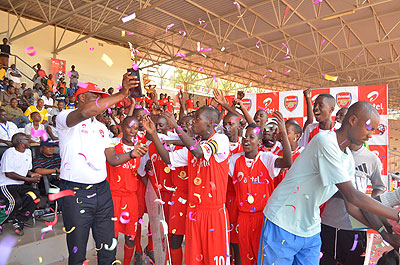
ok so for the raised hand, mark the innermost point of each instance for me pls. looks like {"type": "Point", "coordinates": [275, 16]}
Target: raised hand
{"type": "Point", "coordinates": [280, 121]}
{"type": "Point", "coordinates": [128, 82]}
{"type": "Point", "coordinates": [307, 93]}
{"type": "Point", "coordinates": [219, 96]}
{"type": "Point", "coordinates": [170, 118]}
{"type": "Point", "coordinates": [148, 125]}
{"type": "Point", "coordinates": [139, 150]}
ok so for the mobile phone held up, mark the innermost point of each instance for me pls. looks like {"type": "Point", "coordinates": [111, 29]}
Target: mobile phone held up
{"type": "Point", "coordinates": [136, 92]}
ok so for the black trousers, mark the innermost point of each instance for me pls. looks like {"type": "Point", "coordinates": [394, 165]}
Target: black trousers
{"type": "Point", "coordinates": [19, 201]}
{"type": "Point", "coordinates": [337, 245]}
{"type": "Point", "coordinates": [90, 208]}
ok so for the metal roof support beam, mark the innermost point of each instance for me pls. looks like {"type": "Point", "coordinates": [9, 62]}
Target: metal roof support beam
{"type": "Point", "coordinates": [56, 19]}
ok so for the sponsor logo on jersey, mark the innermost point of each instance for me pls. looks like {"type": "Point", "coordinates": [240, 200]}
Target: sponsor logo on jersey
{"type": "Point", "coordinates": [101, 133]}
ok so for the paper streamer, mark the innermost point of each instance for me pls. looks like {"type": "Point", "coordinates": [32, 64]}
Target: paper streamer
{"type": "Point", "coordinates": [61, 194]}
{"type": "Point", "coordinates": [124, 218]}
{"type": "Point", "coordinates": [113, 245]}
{"type": "Point", "coordinates": [168, 27]}
{"type": "Point", "coordinates": [128, 18]}
{"type": "Point", "coordinates": [182, 32]}
{"type": "Point", "coordinates": [330, 77]}
{"type": "Point", "coordinates": [107, 60]}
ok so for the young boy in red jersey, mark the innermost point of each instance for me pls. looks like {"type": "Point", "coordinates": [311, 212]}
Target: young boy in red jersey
{"type": "Point", "coordinates": [123, 181]}
{"type": "Point", "coordinates": [207, 238]}
{"type": "Point", "coordinates": [294, 132]}
{"type": "Point", "coordinates": [190, 104]}
{"type": "Point", "coordinates": [231, 124]}
{"type": "Point", "coordinates": [253, 174]}
{"type": "Point", "coordinates": [178, 208]}
{"type": "Point", "coordinates": [323, 108]}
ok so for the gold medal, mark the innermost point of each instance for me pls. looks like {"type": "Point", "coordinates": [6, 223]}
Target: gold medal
{"type": "Point", "coordinates": [197, 181]}
{"type": "Point", "coordinates": [182, 175]}
{"type": "Point", "coordinates": [250, 199]}
{"type": "Point", "coordinates": [167, 170]}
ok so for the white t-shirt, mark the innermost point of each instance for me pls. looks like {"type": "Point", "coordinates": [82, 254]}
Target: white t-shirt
{"type": "Point", "coordinates": [14, 161]}
{"type": "Point", "coordinates": [48, 101]}
{"type": "Point", "coordinates": [13, 78]}
{"type": "Point", "coordinates": [28, 129]}
{"type": "Point", "coordinates": [7, 130]}
{"type": "Point", "coordinates": [82, 149]}
{"type": "Point", "coordinates": [310, 181]}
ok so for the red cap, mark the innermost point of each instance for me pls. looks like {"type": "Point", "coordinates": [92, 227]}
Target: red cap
{"type": "Point", "coordinates": [89, 87]}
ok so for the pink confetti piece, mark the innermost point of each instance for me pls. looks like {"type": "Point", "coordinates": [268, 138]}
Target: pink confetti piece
{"type": "Point", "coordinates": [129, 17]}
{"type": "Point", "coordinates": [201, 69]}
{"type": "Point", "coordinates": [205, 26]}
{"type": "Point", "coordinates": [316, 2]}
{"type": "Point", "coordinates": [131, 123]}
{"type": "Point", "coordinates": [269, 71]}
{"type": "Point", "coordinates": [257, 130]}
{"type": "Point", "coordinates": [86, 41]}
{"type": "Point", "coordinates": [30, 51]}
{"type": "Point", "coordinates": [117, 7]}
{"type": "Point", "coordinates": [83, 85]}
{"type": "Point", "coordinates": [237, 4]}
{"type": "Point", "coordinates": [129, 33]}
{"type": "Point", "coordinates": [287, 48]}
{"type": "Point", "coordinates": [320, 255]}
{"type": "Point", "coordinates": [119, 87]}
{"type": "Point", "coordinates": [354, 243]}
{"type": "Point", "coordinates": [140, 221]}
{"type": "Point", "coordinates": [82, 155]}
{"type": "Point", "coordinates": [182, 55]}
{"type": "Point", "coordinates": [191, 218]}
{"type": "Point", "coordinates": [91, 49]}
{"type": "Point", "coordinates": [124, 218]}
{"type": "Point", "coordinates": [215, 79]}
{"type": "Point", "coordinates": [69, 74]}
{"type": "Point", "coordinates": [286, 57]}
{"type": "Point", "coordinates": [322, 42]}
{"type": "Point", "coordinates": [159, 201]}
{"type": "Point", "coordinates": [182, 32]}
{"type": "Point", "coordinates": [168, 27]}
{"type": "Point", "coordinates": [192, 147]}
{"type": "Point", "coordinates": [135, 66]}
{"type": "Point", "coordinates": [288, 71]}
{"type": "Point", "coordinates": [257, 44]}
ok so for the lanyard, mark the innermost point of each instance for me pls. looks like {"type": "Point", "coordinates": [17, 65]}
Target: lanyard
{"type": "Point", "coordinates": [8, 135]}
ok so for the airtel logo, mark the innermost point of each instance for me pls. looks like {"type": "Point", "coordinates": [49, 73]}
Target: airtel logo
{"type": "Point", "coordinates": [373, 96]}
{"type": "Point", "coordinates": [267, 102]}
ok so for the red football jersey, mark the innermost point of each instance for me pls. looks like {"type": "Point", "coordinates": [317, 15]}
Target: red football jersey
{"type": "Point", "coordinates": [253, 180]}
{"type": "Point", "coordinates": [282, 174]}
{"type": "Point", "coordinates": [190, 103]}
{"type": "Point", "coordinates": [234, 148]}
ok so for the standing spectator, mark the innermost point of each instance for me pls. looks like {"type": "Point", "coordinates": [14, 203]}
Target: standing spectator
{"type": "Point", "coordinates": [50, 83]}
{"type": "Point", "coordinates": [38, 108]}
{"type": "Point", "coordinates": [80, 133]}
{"type": "Point", "coordinates": [7, 129]}
{"type": "Point", "coordinates": [15, 75]}
{"type": "Point", "coordinates": [60, 107]}
{"type": "Point", "coordinates": [6, 96]}
{"type": "Point", "coordinates": [170, 106]}
{"type": "Point", "coordinates": [71, 104]}
{"type": "Point", "coordinates": [74, 78]}
{"type": "Point", "coordinates": [20, 198]}
{"type": "Point", "coordinates": [2, 72]}
{"type": "Point", "coordinates": [190, 104]}
{"type": "Point", "coordinates": [15, 114]}
{"type": "Point", "coordinates": [40, 74]}
{"type": "Point", "coordinates": [48, 101]}
{"type": "Point", "coordinates": [5, 51]}
{"type": "Point", "coordinates": [47, 163]}
{"type": "Point", "coordinates": [36, 125]}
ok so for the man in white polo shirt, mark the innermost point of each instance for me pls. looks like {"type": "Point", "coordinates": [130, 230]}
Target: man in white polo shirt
{"type": "Point", "coordinates": [84, 149]}
{"type": "Point", "coordinates": [7, 129]}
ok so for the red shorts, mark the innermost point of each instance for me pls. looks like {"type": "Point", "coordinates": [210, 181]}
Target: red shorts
{"type": "Point", "coordinates": [207, 237]}
{"type": "Point", "coordinates": [128, 204]}
{"type": "Point", "coordinates": [141, 191]}
{"type": "Point", "coordinates": [232, 209]}
{"type": "Point", "coordinates": [249, 227]}
{"type": "Point", "coordinates": [177, 212]}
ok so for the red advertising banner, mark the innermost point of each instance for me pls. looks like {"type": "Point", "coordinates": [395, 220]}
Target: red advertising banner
{"type": "Point", "coordinates": [57, 69]}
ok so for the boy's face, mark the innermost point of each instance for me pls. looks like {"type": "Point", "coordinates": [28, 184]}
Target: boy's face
{"type": "Point", "coordinates": [72, 99]}
{"type": "Point", "coordinates": [187, 125]}
{"type": "Point", "coordinates": [340, 115]}
{"type": "Point", "coordinates": [200, 122]}
{"type": "Point", "coordinates": [231, 126]}
{"type": "Point", "coordinates": [162, 125]}
{"type": "Point", "coordinates": [36, 117]}
{"type": "Point", "coordinates": [251, 140]}
{"type": "Point", "coordinates": [40, 103]}
{"type": "Point", "coordinates": [322, 111]}
{"type": "Point", "coordinates": [130, 131]}
{"type": "Point", "coordinates": [260, 118]}
{"type": "Point", "coordinates": [363, 128]}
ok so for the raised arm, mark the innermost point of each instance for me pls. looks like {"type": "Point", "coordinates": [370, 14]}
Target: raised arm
{"type": "Point", "coordinates": [96, 107]}
{"type": "Point", "coordinates": [150, 128]}
{"type": "Point", "coordinates": [310, 115]}
{"type": "Point", "coordinates": [115, 159]}
{"type": "Point", "coordinates": [182, 108]}
{"type": "Point", "coordinates": [286, 160]}
{"type": "Point", "coordinates": [220, 99]}
{"type": "Point", "coordinates": [246, 114]}
{"type": "Point", "coordinates": [132, 106]}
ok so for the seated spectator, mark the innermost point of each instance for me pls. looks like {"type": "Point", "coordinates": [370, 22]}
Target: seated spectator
{"type": "Point", "coordinates": [60, 107]}
{"type": "Point", "coordinates": [7, 95]}
{"type": "Point", "coordinates": [4, 84]}
{"type": "Point", "coordinates": [70, 90]}
{"type": "Point", "coordinates": [2, 72]}
{"type": "Point", "coordinates": [72, 103]}
{"type": "Point", "coordinates": [47, 163]}
{"type": "Point", "coordinates": [61, 84]}
{"type": "Point", "coordinates": [38, 108]}
{"type": "Point", "coordinates": [7, 129]}
{"type": "Point", "coordinates": [15, 114]}
{"type": "Point", "coordinates": [51, 129]}
{"type": "Point", "coordinates": [20, 198]}
{"type": "Point", "coordinates": [26, 99]}
{"type": "Point", "coordinates": [50, 83]}
{"type": "Point", "coordinates": [60, 95]}
{"type": "Point", "coordinates": [36, 125]}
{"type": "Point", "coordinates": [37, 92]}
{"type": "Point", "coordinates": [48, 101]}
{"type": "Point", "coordinates": [15, 75]}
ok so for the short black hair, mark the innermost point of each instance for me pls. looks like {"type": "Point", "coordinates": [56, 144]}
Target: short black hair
{"type": "Point", "coordinates": [211, 113]}
{"type": "Point", "coordinates": [330, 99]}
{"type": "Point", "coordinates": [16, 138]}
{"type": "Point", "coordinates": [358, 109]}
{"type": "Point", "coordinates": [254, 126]}
{"type": "Point", "coordinates": [136, 111]}
{"type": "Point", "coordinates": [295, 126]}
{"type": "Point", "coordinates": [231, 114]}
{"type": "Point", "coordinates": [129, 118]}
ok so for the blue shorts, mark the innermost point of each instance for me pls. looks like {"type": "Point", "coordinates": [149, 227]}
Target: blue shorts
{"type": "Point", "coordinates": [279, 247]}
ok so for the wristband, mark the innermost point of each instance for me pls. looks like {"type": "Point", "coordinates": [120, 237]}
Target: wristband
{"type": "Point", "coordinates": [130, 154]}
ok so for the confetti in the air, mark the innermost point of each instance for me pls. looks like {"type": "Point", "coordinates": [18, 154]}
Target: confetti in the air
{"type": "Point", "coordinates": [30, 51]}
{"type": "Point", "coordinates": [129, 18]}
{"type": "Point", "coordinates": [182, 55]}
{"type": "Point", "coordinates": [168, 27]}
{"type": "Point", "coordinates": [107, 60]}
{"type": "Point", "coordinates": [257, 44]}
{"type": "Point", "coordinates": [182, 32]}
{"type": "Point", "coordinates": [237, 4]}
{"type": "Point", "coordinates": [317, 1]}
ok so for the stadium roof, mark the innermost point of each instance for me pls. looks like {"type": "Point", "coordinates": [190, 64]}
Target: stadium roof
{"type": "Point", "coordinates": [273, 44]}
